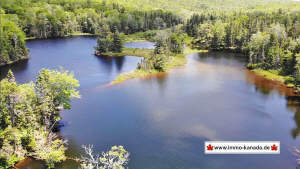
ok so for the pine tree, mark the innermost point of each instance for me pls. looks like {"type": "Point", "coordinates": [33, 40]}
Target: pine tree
{"type": "Point", "coordinates": [160, 47]}
{"type": "Point", "coordinates": [177, 43]}
{"type": "Point", "coordinates": [117, 43]}
{"type": "Point", "coordinates": [10, 76]}
{"type": "Point", "coordinates": [102, 45]}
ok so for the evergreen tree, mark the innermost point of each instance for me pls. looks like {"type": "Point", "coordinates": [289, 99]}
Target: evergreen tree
{"type": "Point", "coordinates": [117, 43]}
{"type": "Point", "coordinates": [103, 44]}
{"type": "Point", "coordinates": [177, 43]}
{"type": "Point", "coordinates": [10, 76]}
{"type": "Point", "coordinates": [160, 46]}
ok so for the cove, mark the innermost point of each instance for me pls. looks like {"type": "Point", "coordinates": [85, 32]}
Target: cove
{"type": "Point", "coordinates": [164, 120]}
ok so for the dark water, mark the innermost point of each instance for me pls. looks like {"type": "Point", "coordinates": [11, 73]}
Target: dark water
{"type": "Point", "coordinates": [164, 120]}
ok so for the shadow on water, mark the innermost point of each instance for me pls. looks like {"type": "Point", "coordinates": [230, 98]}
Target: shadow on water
{"type": "Point", "coordinates": [106, 62]}
{"type": "Point", "coordinates": [159, 79]}
{"type": "Point", "coordinates": [268, 87]}
{"type": "Point", "coordinates": [15, 67]}
{"type": "Point", "coordinates": [110, 62]}
{"type": "Point", "coordinates": [119, 63]}
{"type": "Point", "coordinates": [296, 131]}
{"type": "Point", "coordinates": [293, 103]}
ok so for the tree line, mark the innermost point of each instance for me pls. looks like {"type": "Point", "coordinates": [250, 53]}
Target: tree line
{"type": "Point", "coordinates": [270, 38]}
{"type": "Point", "coordinates": [59, 18]}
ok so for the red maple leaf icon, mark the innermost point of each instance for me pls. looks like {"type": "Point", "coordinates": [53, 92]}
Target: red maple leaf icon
{"type": "Point", "coordinates": [209, 147]}
{"type": "Point", "coordinates": [274, 147]}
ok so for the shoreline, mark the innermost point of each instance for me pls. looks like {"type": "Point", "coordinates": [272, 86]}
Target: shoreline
{"type": "Point", "coordinates": [138, 73]}
{"type": "Point", "coordinates": [128, 52]}
{"type": "Point", "coordinates": [177, 60]}
{"type": "Point", "coordinates": [268, 74]}
{"type": "Point", "coordinates": [16, 61]}
{"type": "Point", "coordinates": [135, 37]}
{"type": "Point", "coordinates": [180, 60]}
{"type": "Point", "coordinates": [65, 36]}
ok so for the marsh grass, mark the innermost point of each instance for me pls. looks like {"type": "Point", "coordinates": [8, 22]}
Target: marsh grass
{"type": "Point", "coordinates": [130, 52]}
{"type": "Point", "coordinates": [274, 75]}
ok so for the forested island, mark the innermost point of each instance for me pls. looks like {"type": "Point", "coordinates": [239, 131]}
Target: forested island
{"type": "Point", "coordinates": [266, 33]}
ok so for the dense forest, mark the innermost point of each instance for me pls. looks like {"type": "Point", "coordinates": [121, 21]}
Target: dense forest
{"type": "Point", "coordinates": [271, 39]}
{"type": "Point", "coordinates": [12, 44]}
{"type": "Point", "coordinates": [186, 8]}
{"type": "Point", "coordinates": [52, 19]}
{"type": "Point", "coordinates": [47, 19]}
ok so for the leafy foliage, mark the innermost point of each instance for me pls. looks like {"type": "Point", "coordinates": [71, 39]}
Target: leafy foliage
{"type": "Point", "coordinates": [57, 18]}
{"type": "Point", "coordinates": [12, 45]}
{"type": "Point", "coordinates": [28, 113]}
{"type": "Point", "coordinates": [116, 157]}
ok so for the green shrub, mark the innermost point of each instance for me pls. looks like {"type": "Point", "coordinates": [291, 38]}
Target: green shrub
{"type": "Point", "coordinates": [289, 79]}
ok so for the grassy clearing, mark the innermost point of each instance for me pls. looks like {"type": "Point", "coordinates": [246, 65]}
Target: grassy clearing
{"type": "Point", "coordinates": [137, 73]}
{"type": "Point", "coordinates": [190, 50]}
{"type": "Point", "coordinates": [270, 74]}
{"type": "Point", "coordinates": [140, 36]}
{"type": "Point", "coordinates": [29, 38]}
{"type": "Point", "coordinates": [274, 75]}
{"type": "Point", "coordinates": [131, 52]}
{"type": "Point", "coordinates": [81, 34]}
{"type": "Point", "coordinates": [176, 61]}
{"type": "Point", "coordinates": [136, 37]}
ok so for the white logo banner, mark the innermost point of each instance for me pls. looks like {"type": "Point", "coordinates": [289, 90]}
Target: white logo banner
{"type": "Point", "coordinates": [242, 147]}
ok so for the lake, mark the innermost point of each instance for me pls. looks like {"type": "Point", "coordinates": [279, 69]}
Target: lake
{"type": "Point", "coordinates": [164, 120]}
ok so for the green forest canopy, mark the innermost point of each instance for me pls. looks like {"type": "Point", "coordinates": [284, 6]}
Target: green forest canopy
{"type": "Point", "coordinates": [268, 32]}
{"type": "Point", "coordinates": [188, 7]}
